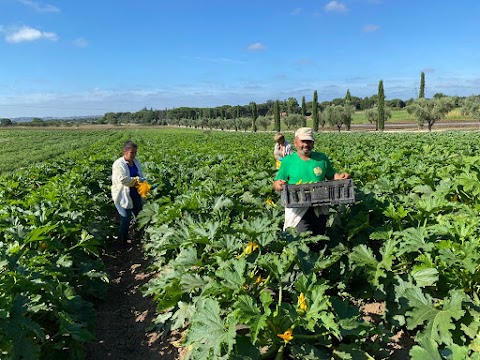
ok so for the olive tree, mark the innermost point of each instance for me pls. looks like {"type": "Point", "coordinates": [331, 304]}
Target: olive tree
{"type": "Point", "coordinates": [430, 110]}
{"type": "Point", "coordinates": [244, 123]}
{"type": "Point", "coordinates": [471, 105]}
{"type": "Point", "coordinates": [230, 124]}
{"type": "Point", "coordinates": [292, 106]}
{"type": "Point", "coordinates": [293, 121]}
{"type": "Point", "coordinates": [264, 122]}
{"type": "Point", "coordinates": [338, 115]}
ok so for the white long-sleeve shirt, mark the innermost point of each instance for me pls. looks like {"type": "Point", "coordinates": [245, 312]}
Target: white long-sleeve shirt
{"type": "Point", "coordinates": [121, 182]}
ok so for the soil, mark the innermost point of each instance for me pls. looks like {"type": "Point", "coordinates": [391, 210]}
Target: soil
{"type": "Point", "coordinates": [124, 316]}
{"type": "Point", "coordinates": [400, 344]}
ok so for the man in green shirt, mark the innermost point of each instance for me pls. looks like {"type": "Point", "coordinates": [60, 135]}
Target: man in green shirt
{"type": "Point", "coordinates": [306, 166]}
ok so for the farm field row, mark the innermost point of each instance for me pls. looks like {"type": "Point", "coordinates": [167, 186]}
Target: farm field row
{"type": "Point", "coordinates": [227, 275]}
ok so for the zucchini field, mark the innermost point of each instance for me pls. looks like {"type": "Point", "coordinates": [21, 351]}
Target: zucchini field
{"type": "Point", "coordinates": [227, 277]}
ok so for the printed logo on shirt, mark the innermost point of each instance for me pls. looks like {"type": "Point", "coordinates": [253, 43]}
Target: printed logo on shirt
{"type": "Point", "coordinates": [317, 171]}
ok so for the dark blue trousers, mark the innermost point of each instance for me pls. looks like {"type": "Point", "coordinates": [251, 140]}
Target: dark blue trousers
{"type": "Point", "coordinates": [125, 220]}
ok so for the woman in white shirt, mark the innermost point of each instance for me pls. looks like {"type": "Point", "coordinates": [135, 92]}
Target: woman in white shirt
{"type": "Point", "coordinates": [126, 173]}
{"type": "Point", "coordinates": [282, 148]}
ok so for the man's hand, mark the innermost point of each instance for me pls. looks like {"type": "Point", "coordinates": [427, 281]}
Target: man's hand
{"type": "Point", "coordinates": [278, 185]}
{"type": "Point", "coordinates": [340, 176]}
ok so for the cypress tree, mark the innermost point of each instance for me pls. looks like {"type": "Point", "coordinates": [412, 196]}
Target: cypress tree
{"type": "Point", "coordinates": [276, 115]}
{"type": "Point", "coordinates": [348, 98]}
{"type": "Point", "coordinates": [255, 116]}
{"type": "Point", "coordinates": [315, 111]}
{"type": "Point", "coordinates": [237, 117]}
{"type": "Point", "coordinates": [421, 95]}
{"type": "Point", "coordinates": [381, 107]}
{"type": "Point", "coordinates": [304, 110]}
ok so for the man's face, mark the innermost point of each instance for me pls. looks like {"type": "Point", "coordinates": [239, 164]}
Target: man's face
{"type": "Point", "coordinates": [304, 147]}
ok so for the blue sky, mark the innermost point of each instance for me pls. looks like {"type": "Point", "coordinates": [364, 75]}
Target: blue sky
{"type": "Point", "coordinates": [82, 57]}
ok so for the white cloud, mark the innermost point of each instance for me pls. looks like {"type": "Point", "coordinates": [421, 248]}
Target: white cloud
{"type": "Point", "coordinates": [256, 47]}
{"type": "Point", "coordinates": [39, 6]}
{"type": "Point", "coordinates": [335, 6]}
{"type": "Point", "coordinates": [371, 28]}
{"type": "Point", "coordinates": [26, 33]}
{"type": "Point", "coordinates": [80, 42]}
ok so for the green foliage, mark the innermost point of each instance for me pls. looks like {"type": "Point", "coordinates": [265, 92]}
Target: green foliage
{"type": "Point", "coordinates": [226, 271]}
{"type": "Point", "coordinates": [220, 337]}
{"type": "Point", "coordinates": [52, 224]}
{"type": "Point", "coordinates": [439, 323]}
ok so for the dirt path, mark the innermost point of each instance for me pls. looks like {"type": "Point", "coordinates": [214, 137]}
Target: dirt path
{"type": "Point", "coordinates": [124, 316]}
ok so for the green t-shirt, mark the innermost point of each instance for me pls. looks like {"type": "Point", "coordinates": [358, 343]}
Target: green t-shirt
{"type": "Point", "coordinates": [293, 169]}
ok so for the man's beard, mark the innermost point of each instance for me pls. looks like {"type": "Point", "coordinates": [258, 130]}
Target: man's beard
{"type": "Point", "coordinates": [306, 152]}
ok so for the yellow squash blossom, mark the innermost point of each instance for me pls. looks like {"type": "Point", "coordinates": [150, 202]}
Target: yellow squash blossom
{"type": "Point", "coordinates": [302, 302]}
{"type": "Point", "coordinates": [287, 336]}
{"type": "Point", "coordinates": [251, 247]}
{"type": "Point", "coordinates": [270, 202]}
{"type": "Point", "coordinates": [143, 188]}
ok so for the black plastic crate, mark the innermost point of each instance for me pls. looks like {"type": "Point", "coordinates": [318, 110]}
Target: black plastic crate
{"type": "Point", "coordinates": [330, 192]}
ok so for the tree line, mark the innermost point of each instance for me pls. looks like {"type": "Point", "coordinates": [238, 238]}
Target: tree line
{"type": "Point", "coordinates": [336, 113]}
